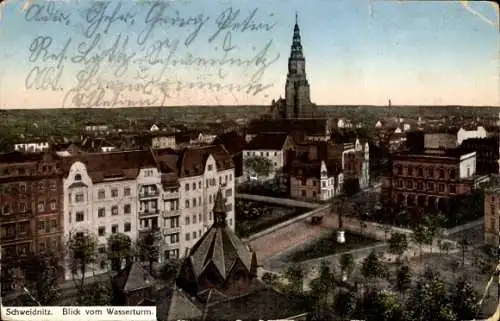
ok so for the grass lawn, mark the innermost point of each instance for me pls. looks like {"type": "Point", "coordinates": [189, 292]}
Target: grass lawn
{"type": "Point", "coordinates": [271, 215]}
{"type": "Point", "coordinates": [327, 245]}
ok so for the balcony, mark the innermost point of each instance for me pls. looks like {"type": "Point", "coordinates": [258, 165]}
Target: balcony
{"type": "Point", "coordinates": [167, 214]}
{"type": "Point", "coordinates": [149, 194]}
{"type": "Point", "coordinates": [170, 246]}
{"type": "Point", "coordinates": [171, 230]}
{"type": "Point", "coordinates": [170, 195]}
{"type": "Point", "coordinates": [149, 212]}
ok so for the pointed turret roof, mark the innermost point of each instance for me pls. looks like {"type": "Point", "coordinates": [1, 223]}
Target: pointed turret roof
{"type": "Point", "coordinates": [296, 51]}
{"type": "Point", "coordinates": [220, 248]}
{"type": "Point", "coordinates": [133, 277]}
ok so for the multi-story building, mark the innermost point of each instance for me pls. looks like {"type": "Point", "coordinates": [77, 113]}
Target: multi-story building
{"type": "Point", "coordinates": [429, 179]}
{"type": "Point", "coordinates": [102, 196]}
{"type": "Point", "coordinates": [30, 197]}
{"type": "Point", "coordinates": [202, 172]}
{"type": "Point", "coordinates": [272, 146]}
{"type": "Point", "coordinates": [487, 150]}
{"type": "Point", "coordinates": [315, 180]}
{"type": "Point", "coordinates": [492, 215]}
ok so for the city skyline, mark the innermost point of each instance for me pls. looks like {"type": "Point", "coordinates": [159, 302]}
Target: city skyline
{"type": "Point", "coordinates": [357, 53]}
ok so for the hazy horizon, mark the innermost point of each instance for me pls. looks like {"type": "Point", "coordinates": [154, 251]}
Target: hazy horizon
{"type": "Point", "coordinates": [358, 52]}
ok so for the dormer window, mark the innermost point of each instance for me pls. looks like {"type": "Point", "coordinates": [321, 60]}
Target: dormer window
{"type": "Point", "coordinates": [78, 177]}
{"type": "Point", "coordinates": [210, 167]}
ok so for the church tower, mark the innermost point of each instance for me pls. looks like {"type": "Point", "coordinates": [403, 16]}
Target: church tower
{"type": "Point", "coordinates": [298, 102]}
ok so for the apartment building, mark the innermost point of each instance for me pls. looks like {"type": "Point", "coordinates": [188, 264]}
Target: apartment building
{"type": "Point", "coordinates": [109, 193]}
{"type": "Point", "coordinates": [202, 172]}
{"type": "Point", "coordinates": [315, 181]}
{"type": "Point", "coordinates": [31, 206]}
{"type": "Point", "coordinates": [429, 178]}
{"type": "Point", "coordinates": [272, 146]}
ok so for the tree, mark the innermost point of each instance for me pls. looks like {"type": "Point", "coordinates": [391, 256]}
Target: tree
{"type": "Point", "coordinates": [404, 276]}
{"type": "Point", "coordinates": [82, 253]}
{"type": "Point", "coordinates": [464, 300]}
{"type": "Point", "coordinates": [445, 246]}
{"type": "Point", "coordinates": [345, 304]}
{"type": "Point", "coordinates": [42, 272]}
{"type": "Point", "coordinates": [119, 248]}
{"type": "Point", "coordinates": [373, 268]}
{"type": "Point", "coordinates": [384, 306]}
{"type": "Point", "coordinates": [97, 294]}
{"type": "Point", "coordinates": [398, 244]}
{"type": "Point", "coordinates": [270, 279]}
{"type": "Point", "coordinates": [323, 285]}
{"type": "Point", "coordinates": [259, 165]}
{"type": "Point", "coordinates": [464, 245]}
{"type": "Point", "coordinates": [148, 249]}
{"type": "Point", "coordinates": [295, 277]}
{"type": "Point", "coordinates": [347, 264]}
{"type": "Point", "coordinates": [421, 236]}
{"type": "Point", "coordinates": [169, 270]}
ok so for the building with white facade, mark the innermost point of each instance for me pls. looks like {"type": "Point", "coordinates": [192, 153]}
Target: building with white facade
{"type": "Point", "coordinates": [272, 146]}
{"type": "Point", "coordinates": [102, 197]}
{"type": "Point", "coordinates": [31, 147]}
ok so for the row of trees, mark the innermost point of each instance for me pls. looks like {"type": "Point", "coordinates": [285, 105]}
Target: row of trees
{"type": "Point", "coordinates": [42, 272]}
{"type": "Point", "coordinates": [407, 297]}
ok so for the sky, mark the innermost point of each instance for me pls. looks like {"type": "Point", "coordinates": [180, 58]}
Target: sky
{"type": "Point", "coordinates": [206, 52]}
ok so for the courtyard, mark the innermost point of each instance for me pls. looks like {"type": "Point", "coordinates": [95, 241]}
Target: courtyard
{"type": "Point", "coordinates": [327, 245]}
{"type": "Point", "coordinates": [253, 216]}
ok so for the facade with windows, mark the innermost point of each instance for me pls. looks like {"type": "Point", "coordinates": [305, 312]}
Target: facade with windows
{"type": "Point", "coordinates": [203, 172]}
{"type": "Point", "coordinates": [102, 196]}
{"type": "Point", "coordinates": [429, 179]}
{"type": "Point", "coordinates": [30, 207]}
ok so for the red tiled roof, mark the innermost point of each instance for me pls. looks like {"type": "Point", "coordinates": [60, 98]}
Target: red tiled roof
{"type": "Point", "coordinates": [192, 160]}
{"type": "Point", "coordinates": [268, 141]}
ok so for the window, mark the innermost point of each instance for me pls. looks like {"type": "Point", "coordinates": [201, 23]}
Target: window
{"type": "Point", "coordinates": [114, 192]}
{"type": "Point", "coordinates": [52, 205]}
{"type": "Point", "coordinates": [79, 197]}
{"type": "Point", "coordinates": [194, 202]}
{"type": "Point", "coordinates": [210, 199]}
{"type": "Point", "coordinates": [430, 172]}
{"type": "Point", "coordinates": [174, 222]}
{"type": "Point", "coordinates": [186, 187]}
{"type": "Point", "coordinates": [101, 194]}
{"type": "Point", "coordinates": [127, 227]}
{"type": "Point", "coordinates": [453, 188]}
{"type": "Point", "coordinates": [199, 184]}
{"type": "Point", "coordinates": [493, 224]}
{"type": "Point", "coordinates": [303, 193]}
{"type": "Point", "coordinates": [79, 216]}
{"type": "Point", "coordinates": [409, 184]}
{"type": "Point", "coordinates": [22, 207]}
{"type": "Point", "coordinates": [210, 167]}
{"type": "Point", "coordinates": [78, 177]}
{"type": "Point", "coordinates": [187, 220]}
{"type": "Point", "coordinates": [22, 187]}
{"type": "Point", "coordinates": [441, 173]}
{"type": "Point", "coordinates": [174, 238]}
{"type": "Point", "coordinates": [126, 191]}
{"type": "Point", "coordinates": [114, 210]}
{"type": "Point", "coordinates": [410, 171]}
{"type": "Point", "coordinates": [441, 188]}
{"type": "Point", "coordinates": [187, 236]}
{"type": "Point", "coordinates": [430, 186]}
{"type": "Point", "coordinates": [53, 223]}
{"type": "Point", "coordinates": [127, 209]}
{"type": "Point", "coordinates": [194, 219]}
{"type": "Point", "coordinates": [194, 235]}
{"type": "Point", "coordinates": [101, 212]}
{"type": "Point", "coordinates": [114, 228]}
{"type": "Point", "coordinates": [399, 169]}
{"type": "Point", "coordinates": [52, 186]}
{"type": "Point", "coordinates": [194, 186]}
{"type": "Point", "coordinates": [452, 173]}
{"type": "Point", "coordinates": [101, 231]}
{"type": "Point", "coordinates": [41, 186]}
{"type": "Point", "coordinates": [187, 204]}
{"type": "Point", "coordinates": [199, 217]}
{"type": "Point", "coordinates": [41, 206]}
{"type": "Point", "coordinates": [420, 172]}
{"type": "Point", "coordinates": [102, 249]}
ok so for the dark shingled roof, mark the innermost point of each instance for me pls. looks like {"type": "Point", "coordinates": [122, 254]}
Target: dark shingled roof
{"type": "Point", "coordinates": [263, 304]}
{"type": "Point", "coordinates": [133, 277]}
{"type": "Point", "coordinates": [307, 126]}
{"type": "Point", "coordinates": [312, 169]}
{"type": "Point", "coordinates": [174, 304]}
{"type": "Point", "coordinates": [125, 165]}
{"type": "Point", "coordinates": [193, 160]}
{"type": "Point", "coordinates": [268, 141]}
{"type": "Point", "coordinates": [232, 141]}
